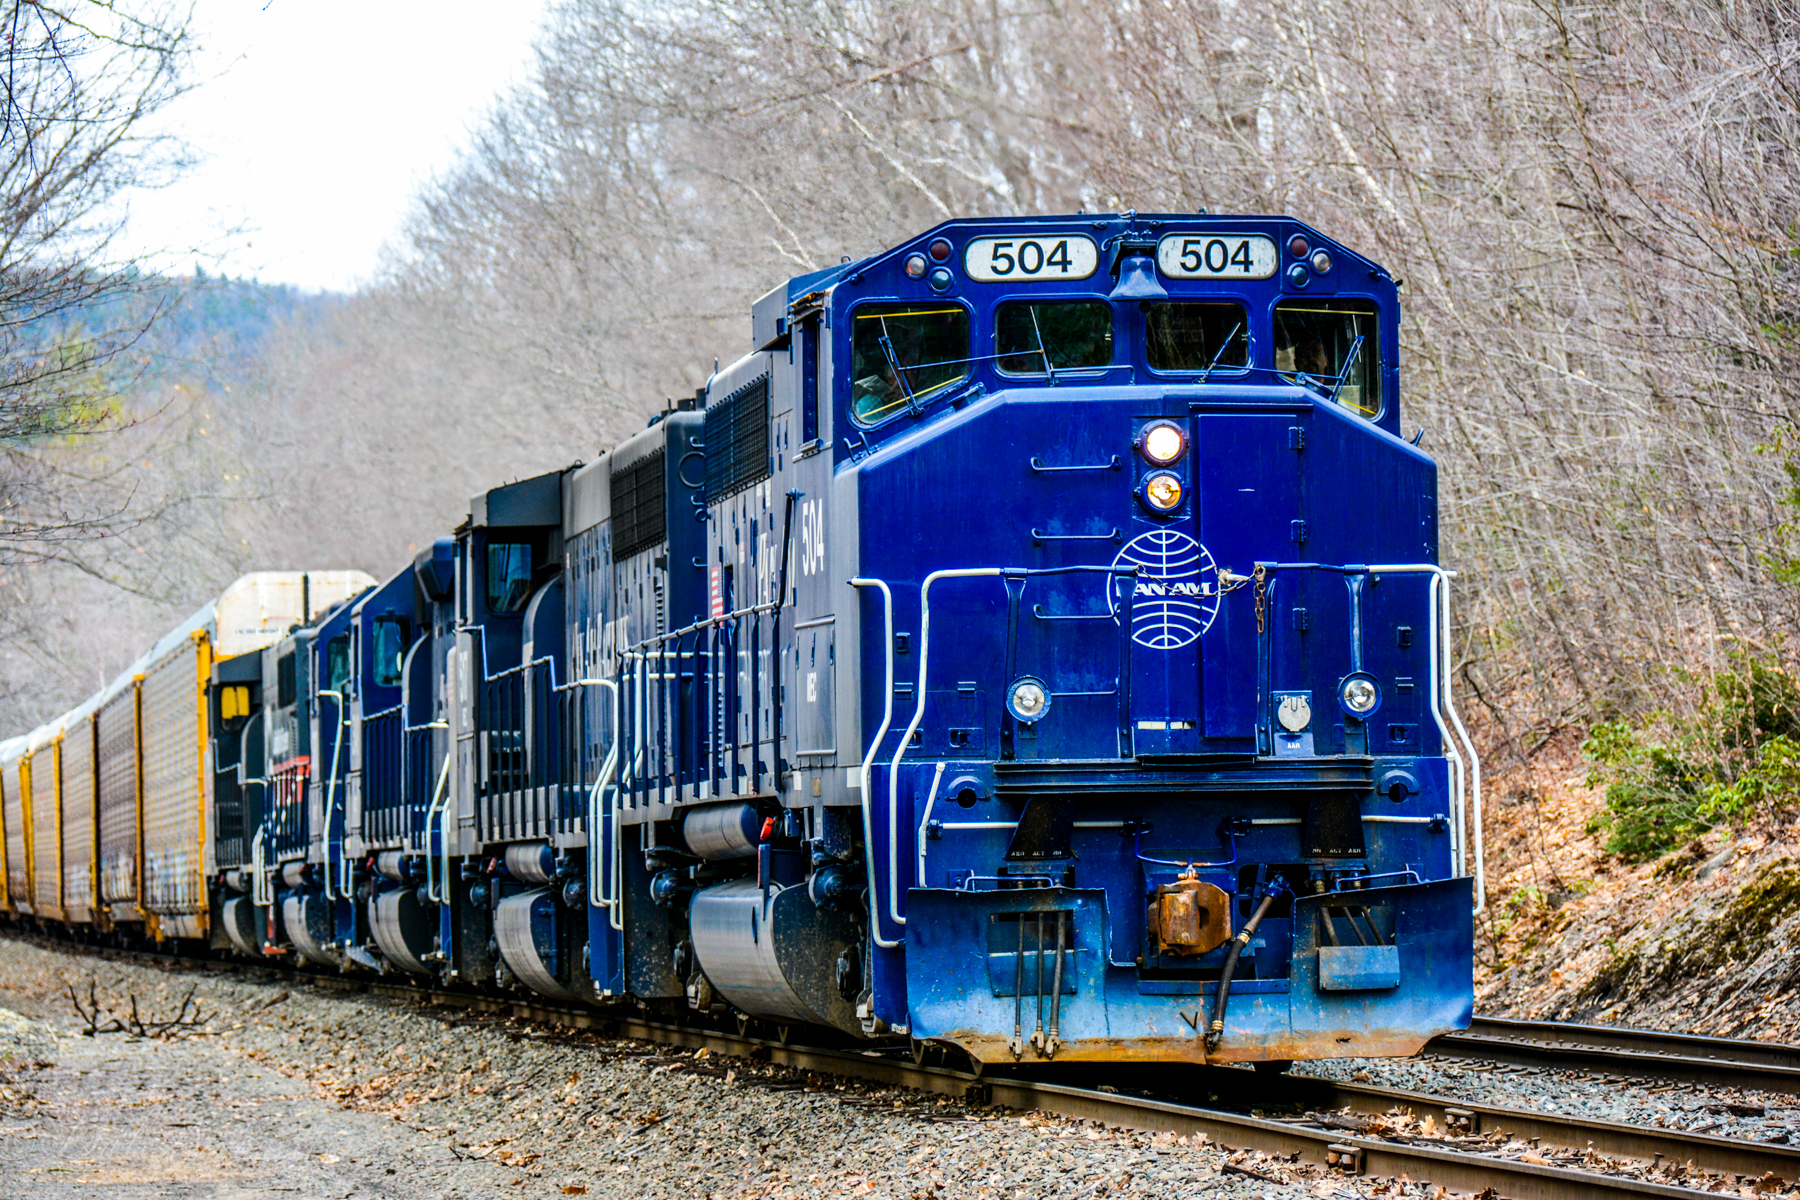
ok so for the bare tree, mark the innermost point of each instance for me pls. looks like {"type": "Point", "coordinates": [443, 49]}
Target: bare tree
{"type": "Point", "coordinates": [81, 79]}
{"type": "Point", "coordinates": [1593, 210]}
{"type": "Point", "coordinates": [1592, 207]}
{"type": "Point", "coordinates": [79, 82]}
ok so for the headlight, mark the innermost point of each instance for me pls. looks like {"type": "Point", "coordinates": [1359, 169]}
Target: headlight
{"type": "Point", "coordinates": [1163, 444]}
{"type": "Point", "coordinates": [1028, 699]}
{"type": "Point", "coordinates": [1359, 695]}
{"type": "Point", "coordinates": [1162, 491]}
{"type": "Point", "coordinates": [1321, 262]}
{"type": "Point", "coordinates": [915, 266]}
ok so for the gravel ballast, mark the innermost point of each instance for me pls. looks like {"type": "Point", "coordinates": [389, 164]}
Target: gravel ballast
{"type": "Point", "coordinates": [295, 1085]}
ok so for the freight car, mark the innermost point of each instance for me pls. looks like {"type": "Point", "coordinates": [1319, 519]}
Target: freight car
{"type": "Point", "coordinates": [1033, 646]}
{"type": "Point", "coordinates": [109, 812]}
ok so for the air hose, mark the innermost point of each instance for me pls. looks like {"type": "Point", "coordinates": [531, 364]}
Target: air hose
{"type": "Point", "coordinates": [1216, 1030]}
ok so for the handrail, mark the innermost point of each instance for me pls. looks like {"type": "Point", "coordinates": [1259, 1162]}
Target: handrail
{"type": "Point", "coordinates": [919, 707]}
{"type": "Point", "coordinates": [697, 626]}
{"type": "Point", "coordinates": [925, 821]}
{"type": "Point", "coordinates": [258, 867]}
{"type": "Point", "coordinates": [337, 745]}
{"type": "Point", "coordinates": [437, 885]}
{"type": "Point", "coordinates": [1443, 704]}
{"type": "Point", "coordinates": [917, 717]}
{"type": "Point", "coordinates": [887, 720]}
{"type": "Point", "coordinates": [1459, 751]}
{"type": "Point", "coordinates": [598, 895]}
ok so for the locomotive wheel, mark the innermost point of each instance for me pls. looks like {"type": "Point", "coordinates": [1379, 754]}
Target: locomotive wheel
{"type": "Point", "coordinates": [956, 1058]}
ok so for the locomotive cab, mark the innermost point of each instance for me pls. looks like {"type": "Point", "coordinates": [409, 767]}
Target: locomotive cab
{"type": "Point", "coordinates": [510, 915]}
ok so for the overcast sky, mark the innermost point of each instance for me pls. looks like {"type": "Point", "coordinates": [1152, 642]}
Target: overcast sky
{"type": "Point", "coordinates": [316, 121]}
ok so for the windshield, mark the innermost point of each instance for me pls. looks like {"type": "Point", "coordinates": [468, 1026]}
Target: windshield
{"type": "Point", "coordinates": [928, 342]}
{"type": "Point", "coordinates": [1070, 335]}
{"type": "Point", "coordinates": [1317, 341]}
{"type": "Point", "coordinates": [1196, 336]}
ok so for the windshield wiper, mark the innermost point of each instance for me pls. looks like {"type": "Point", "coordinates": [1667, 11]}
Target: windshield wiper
{"type": "Point", "coordinates": [1349, 362]}
{"type": "Point", "coordinates": [1049, 369]}
{"type": "Point", "coordinates": [1223, 347]}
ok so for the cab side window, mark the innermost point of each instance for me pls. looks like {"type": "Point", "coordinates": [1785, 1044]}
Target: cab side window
{"type": "Point", "coordinates": [234, 706]}
{"type": "Point", "coordinates": [1332, 345]}
{"type": "Point", "coordinates": [286, 688]}
{"type": "Point", "coordinates": [905, 352]}
{"type": "Point", "coordinates": [508, 576]}
{"type": "Point", "coordinates": [390, 649]}
{"type": "Point", "coordinates": [337, 664]}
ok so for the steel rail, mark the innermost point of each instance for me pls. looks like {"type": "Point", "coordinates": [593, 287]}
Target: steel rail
{"type": "Point", "coordinates": [1632, 1053]}
{"type": "Point", "coordinates": [1707, 1152]}
{"type": "Point", "coordinates": [1458, 1170]}
{"type": "Point", "coordinates": [1616, 1037]}
{"type": "Point", "coordinates": [1444, 1166]}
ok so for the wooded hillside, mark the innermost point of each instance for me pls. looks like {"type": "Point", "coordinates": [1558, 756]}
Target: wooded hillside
{"type": "Point", "coordinates": [1593, 207]}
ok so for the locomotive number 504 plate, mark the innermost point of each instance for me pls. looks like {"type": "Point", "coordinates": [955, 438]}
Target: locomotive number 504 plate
{"type": "Point", "coordinates": [1226, 256]}
{"type": "Point", "coordinates": [1059, 256]}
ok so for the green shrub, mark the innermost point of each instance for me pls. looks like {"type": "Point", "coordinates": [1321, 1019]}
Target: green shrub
{"type": "Point", "coordinates": [1739, 760]}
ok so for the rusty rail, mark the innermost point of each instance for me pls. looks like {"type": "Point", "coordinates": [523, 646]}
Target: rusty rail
{"type": "Point", "coordinates": [1457, 1170]}
{"type": "Point", "coordinates": [1632, 1053]}
{"type": "Point", "coordinates": [1708, 1152]}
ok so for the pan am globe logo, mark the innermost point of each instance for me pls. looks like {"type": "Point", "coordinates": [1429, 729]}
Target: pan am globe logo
{"type": "Point", "coordinates": [1176, 597]}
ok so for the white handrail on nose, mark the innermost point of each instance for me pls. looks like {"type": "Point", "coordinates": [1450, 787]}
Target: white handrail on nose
{"type": "Point", "coordinates": [887, 719]}
{"type": "Point", "coordinates": [1465, 772]}
{"type": "Point", "coordinates": [917, 717]}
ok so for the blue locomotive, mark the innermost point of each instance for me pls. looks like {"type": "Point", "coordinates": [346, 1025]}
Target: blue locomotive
{"type": "Point", "coordinates": [1033, 646]}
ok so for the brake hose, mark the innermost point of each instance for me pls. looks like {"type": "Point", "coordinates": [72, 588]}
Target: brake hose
{"type": "Point", "coordinates": [1216, 1030]}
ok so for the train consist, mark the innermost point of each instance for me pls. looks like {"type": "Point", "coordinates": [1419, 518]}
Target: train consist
{"type": "Point", "coordinates": [1033, 646]}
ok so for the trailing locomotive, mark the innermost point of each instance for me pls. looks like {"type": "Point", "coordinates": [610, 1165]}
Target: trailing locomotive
{"type": "Point", "coordinates": [1034, 645]}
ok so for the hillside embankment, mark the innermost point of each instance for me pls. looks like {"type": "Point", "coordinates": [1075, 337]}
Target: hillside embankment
{"type": "Point", "coordinates": [1702, 939]}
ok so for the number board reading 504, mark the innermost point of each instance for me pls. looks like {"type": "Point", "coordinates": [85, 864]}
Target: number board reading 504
{"type": "Point", "coordinates": [1186, 256]}
{"type": "Point", "coordinates": [1001, 260]}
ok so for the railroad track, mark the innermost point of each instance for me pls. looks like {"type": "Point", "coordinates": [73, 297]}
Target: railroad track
{"type": "Point", "coordinates": [1627, 1053]}
{"type": "Point", "coordinates": [1161, 1100]}
{"type": "Point", "coordinates": [1443, 1164]}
